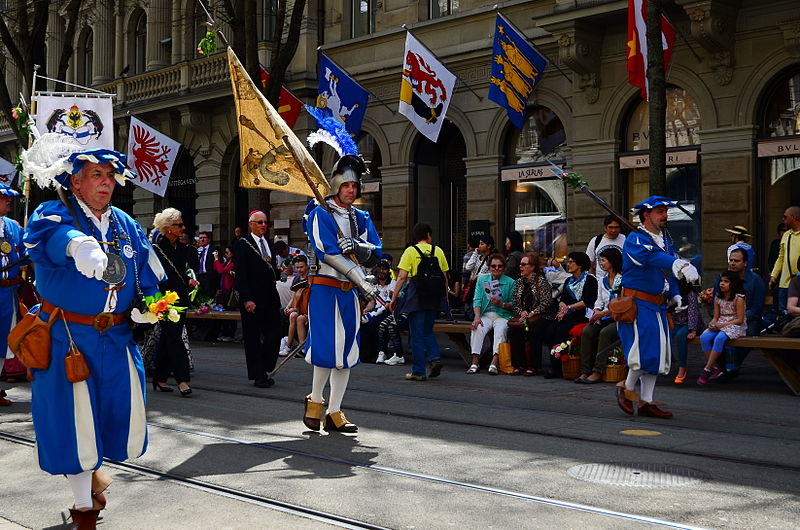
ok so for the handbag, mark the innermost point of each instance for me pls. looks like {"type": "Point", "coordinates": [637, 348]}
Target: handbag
{"type": "Point", "coordinates": [30, 340]}
{"type": "Point", "coordinates": [623, 309]}
{"type": "Point", "coordinates": [233, 300]}
{"type": "Point", "coordinates": [516, 322]}
{"type": "Point", "coordinates": [504, 363]}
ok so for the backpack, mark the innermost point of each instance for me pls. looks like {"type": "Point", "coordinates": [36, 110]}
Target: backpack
{"type": "Point", "coordinates": [429, 280]}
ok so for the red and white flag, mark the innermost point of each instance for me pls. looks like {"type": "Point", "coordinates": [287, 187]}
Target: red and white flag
{"type": "Point", "coordinates": [7, 172]}
{"type": "Point", "coordinates": [151, 154]}
{"type": "Point", "coordinates": [637, 45]}
{"type": "Point", "coordinates": [289, 106]}
{"type": "Point", "coordinates": [426, 88]}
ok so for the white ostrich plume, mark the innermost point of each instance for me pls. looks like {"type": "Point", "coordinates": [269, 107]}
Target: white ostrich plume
{"type": "Point", "coordinates": [47, 158]}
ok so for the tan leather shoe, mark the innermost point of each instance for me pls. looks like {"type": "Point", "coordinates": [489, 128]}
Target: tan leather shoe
{"type": "Point", "coordinates": [338, 422]}
{"type": "Point", "coordinates": [313, 413]}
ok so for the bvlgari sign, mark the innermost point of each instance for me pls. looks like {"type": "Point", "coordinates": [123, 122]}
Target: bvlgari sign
{"type": "Point", "coordinates": [785, 147]}
{"type": "Point", "coordinates": [674, 158]}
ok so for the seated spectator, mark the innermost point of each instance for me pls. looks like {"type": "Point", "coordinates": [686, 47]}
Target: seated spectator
{"type": "Point", "coordinates": [577, 299]}
{"type": "Point", "coordinates": [728, 323]}
{"type": "Point", "coordinates": [601, 333]}
{"type": "Point", "coordinates": [513, 254]}
{"type": "Point", "coordinates": [297, 309]}
{"type": "Point", "coordinates": [687, 324]}
{"type": "Point", "coordinates": [739, 237]}
{"type": "Point", "coordinates": [284, 283]}
{"type": "Point", "coordinates": [754, 291]}
{"type": "Point", "coordinates": [477, 265]}
{"type": "Point", "coordinates": [532, 301]}
{"type": "Point", "coordinates": [492, 307]}
{"type": "Point", "coordinates": [389, 340]}
{"type": "Point", "coordinates": [793, 303]}
{"type": "Point", "coordinates": [226, 296]}
{"type": "Point", "coordinates": [376, 311]}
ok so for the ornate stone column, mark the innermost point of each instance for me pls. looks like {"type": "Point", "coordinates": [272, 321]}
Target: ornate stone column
{"type": "Point", "coordinates": [103, 60]}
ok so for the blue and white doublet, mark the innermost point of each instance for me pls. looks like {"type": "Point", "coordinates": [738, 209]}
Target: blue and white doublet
{"type": "Point", "coordinates": [647, 267]}
{"type": "Point", "coordinates": [12, 233]}
{"type": "Point", "coordinates": [334, 315]}
{"type": "Point", "coordinates": [78, 424]}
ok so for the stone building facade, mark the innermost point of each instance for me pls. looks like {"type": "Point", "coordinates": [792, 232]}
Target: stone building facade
{"type": "Point", "coordinates": [733, 119]}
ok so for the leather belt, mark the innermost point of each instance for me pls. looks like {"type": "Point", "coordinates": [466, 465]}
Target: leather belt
{"type": "Point", "coordinates": [13, 281]}
{"type": "Point", "coordinates": [656, 299]}
{"type": "Point", "coordinates": [101, 321]}
{"type": "Point", "coordinates": [330, 282]}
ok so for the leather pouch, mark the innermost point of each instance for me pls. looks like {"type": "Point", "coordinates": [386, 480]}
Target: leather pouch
{"type": "Point", "coordinates": [75, 365]}
{"type": "Point", "coordinates": [30, 340]}
{"type": "Point", "coordinates": [623, 309]}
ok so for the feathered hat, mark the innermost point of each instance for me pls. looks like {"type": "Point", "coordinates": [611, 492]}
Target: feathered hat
{"type": "Point", "coordinates": [652, 202]}
{"type": "Point", "coordinates": [53, 157]}
{"type": "Point", "coordinates": [8, 191]}
{"type": "Point", "coordinates": [350, 165]}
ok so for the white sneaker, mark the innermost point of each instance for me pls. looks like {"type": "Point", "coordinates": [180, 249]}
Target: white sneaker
{"type": "Point", "coordinates": [381, 358]}
{"type": "Point", "coordinates": [284, 343]}
{"type": "Point", "coordinates": [394, 360]}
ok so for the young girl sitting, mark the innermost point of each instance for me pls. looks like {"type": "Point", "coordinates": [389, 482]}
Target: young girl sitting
{"type": "Point", "coordinates": [728, 323]}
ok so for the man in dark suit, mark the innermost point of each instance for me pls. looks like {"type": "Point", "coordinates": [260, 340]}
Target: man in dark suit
{"type": "Point", "coordinates": [259, 301]}
{"type": "Point", "coordinates": [206, 275]}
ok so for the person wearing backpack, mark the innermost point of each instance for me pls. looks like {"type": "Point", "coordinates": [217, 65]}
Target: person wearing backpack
{"type": "Point", "coordinates": [426, 266]}
{"type": "Point", "coordinates": [610, 237]}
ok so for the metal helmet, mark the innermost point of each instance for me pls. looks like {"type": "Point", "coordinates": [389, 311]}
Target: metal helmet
{"type": "Point", "coordinates": [348, 168]}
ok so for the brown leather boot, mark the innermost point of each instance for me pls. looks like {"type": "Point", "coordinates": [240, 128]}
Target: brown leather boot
{"type": "Point", "coordinates": [622, 399]}
{"type": "Point", "coordinates": [312, 417]}
{"type": "Point", "coordinates": [83, 519]}
{"type": "Point", "coordinates": [337, 422]}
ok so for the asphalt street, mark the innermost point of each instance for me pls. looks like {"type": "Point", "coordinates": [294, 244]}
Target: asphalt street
{"type": "Point", "coordinates": [459, 451]}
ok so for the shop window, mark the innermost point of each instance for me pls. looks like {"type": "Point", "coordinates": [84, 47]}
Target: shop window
{"type": "Point", "coordinates": [371, 184]}
{"type": "Point", "coordinates": [363, 21]}
{"type": "Point", "coordinates": [442, 8]}
{"type": "Point", "coordinates": [779, 169]}
{"type": "Point", "coordinates": [537, 200]}
{"type": "Point", "coordinates": [683, 171]}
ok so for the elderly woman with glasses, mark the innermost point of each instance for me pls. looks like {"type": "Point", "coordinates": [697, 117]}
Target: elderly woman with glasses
{"type": "Point", "coordinates": [534, 310]}
{"type": "Point", "coordinates": [178, 261]}
{"type": "Point", "coordinates": [575, 303]}
{"type": "Point", "coordinates": [492, 306]}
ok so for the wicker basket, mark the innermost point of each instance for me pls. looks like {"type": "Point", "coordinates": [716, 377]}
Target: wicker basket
{"type": "Point", "coordinates": [614, 373]}
{"type": "Point", "coordinates": [571, 367]}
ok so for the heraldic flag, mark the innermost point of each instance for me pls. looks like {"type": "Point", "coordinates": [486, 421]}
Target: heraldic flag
{"type": "Point", "coordinates": [88, 118]}
{"type": "Point", "coordinates": [346, 99]}
{"type": "Point", "coordinates": [266, 161]}
{"type": "Point", "coordinates": [637, 45]}
{"type": "Point", "coordinates": [289, 106]}
{"type": "Point", "coordinates": [516, 70]}
{"type": "Point", "coordinates": [152, 154]}
{"type": "Point", "coordinates": [426, 88]}
{"type": "Point", "coordinates": [7, 172]}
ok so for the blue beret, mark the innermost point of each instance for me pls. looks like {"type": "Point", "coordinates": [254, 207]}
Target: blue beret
{"type": "Point", "coordinates": [99, 156]}
{"type": "Point", "coordinates": [652, 202]}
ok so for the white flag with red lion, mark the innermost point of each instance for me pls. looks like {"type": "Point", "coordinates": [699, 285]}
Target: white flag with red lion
{"type": "Point", "coordinates": [426, 88]}
{"type": "Point", "coordinates": [151, 154]}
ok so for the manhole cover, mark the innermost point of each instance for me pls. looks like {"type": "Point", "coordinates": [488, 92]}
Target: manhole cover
{"type": "Point", "coordinates": [637, 475]}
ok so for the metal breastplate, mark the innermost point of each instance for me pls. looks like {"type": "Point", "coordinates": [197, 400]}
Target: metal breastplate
{"type": "Point", "coordinates": [343, 222]}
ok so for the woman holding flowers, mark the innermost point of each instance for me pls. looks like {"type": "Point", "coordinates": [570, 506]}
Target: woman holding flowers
{"type": "Point", "coordinates": [534, 310]}
{"type": "Point", "coordinates": [601, 332]}
{"type": "Point", "coordinates": [172, 357]}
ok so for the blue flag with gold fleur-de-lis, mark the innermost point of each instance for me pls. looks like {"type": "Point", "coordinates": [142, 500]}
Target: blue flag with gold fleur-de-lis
{"type": "Point", "coordinates": [516, 69]}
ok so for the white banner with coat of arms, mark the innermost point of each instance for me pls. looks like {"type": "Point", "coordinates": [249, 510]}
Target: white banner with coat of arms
{"type": "Point", "coordinates": [86, 117]}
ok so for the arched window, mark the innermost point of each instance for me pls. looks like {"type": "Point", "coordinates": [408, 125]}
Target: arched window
{"type": "Point", "coordinates": [535, 198]}
{"type": "Point", "coordinates": [779, 158]}
{"type": "Point", "coordinates": [683, 169]}
{"type": "Point", "coordinates": [139, 62]}
{"type": "Point", "coordinates": [371, 185]}
{"type": "Point", "coordinates": [86, 54]}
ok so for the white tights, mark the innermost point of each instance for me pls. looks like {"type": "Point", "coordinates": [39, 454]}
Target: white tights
{"type": "Point", "coordinates": [339, 379]}
{"type": "Point", "coordinates": [647, 384]}
{"type": "Point", "coordinates": [81, 485]}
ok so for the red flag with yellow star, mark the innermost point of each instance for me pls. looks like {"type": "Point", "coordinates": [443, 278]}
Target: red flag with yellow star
{"type": "Point", "coordinates": [637, 44]}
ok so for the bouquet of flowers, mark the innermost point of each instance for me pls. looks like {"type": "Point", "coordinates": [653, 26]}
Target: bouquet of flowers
{"type": "Point", "coordinates": [158, 307]}
{"type": "Point", "coordinates": [616, 356]}
{"type": "Point", "coordinates": [561, 351]}
{"type": "Point", "coordinates": [706, 296]}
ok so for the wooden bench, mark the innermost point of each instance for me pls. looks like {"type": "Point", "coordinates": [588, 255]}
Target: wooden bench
{"type": "Point", "coordinates": [770, 345]}
{"type": "Point", "coordinates": [213, 315]}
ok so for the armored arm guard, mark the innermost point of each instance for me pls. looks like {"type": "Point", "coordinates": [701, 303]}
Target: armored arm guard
{"type": "Point", "coordinates": [352, 272]}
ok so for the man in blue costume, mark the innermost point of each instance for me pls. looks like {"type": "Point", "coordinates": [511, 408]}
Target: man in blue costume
{"type": "Point", "coordinates": [94, 262]}
{"type": "Point", "coordinates": [11, 250]}
{"type": "Point", "coordinates": [334, 312]}
{"type": "Point", "coordinates": [649, 272]}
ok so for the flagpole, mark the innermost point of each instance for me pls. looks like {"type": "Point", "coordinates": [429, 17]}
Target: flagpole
{"type": "Point", "coordinates": [405, 27]}
{"type": "Point", "coordinates": [515, 28]}
{"type": "Point", "coordinates": [371, 93]}
{"type": "Point", "coordinates": [72, 85]}
{"type": "Point", "coordinates": [33, 131]}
